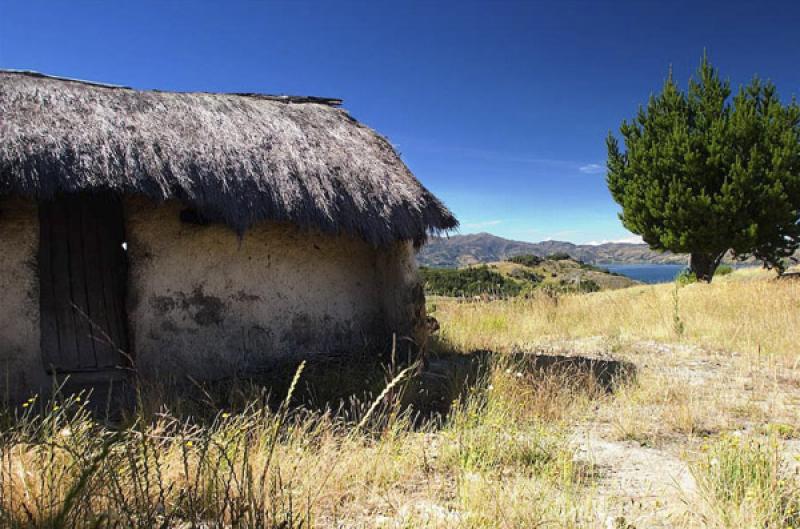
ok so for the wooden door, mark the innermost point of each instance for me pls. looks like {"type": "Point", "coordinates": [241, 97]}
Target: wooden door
{"type": "Point", "coordinates": [83, 272]}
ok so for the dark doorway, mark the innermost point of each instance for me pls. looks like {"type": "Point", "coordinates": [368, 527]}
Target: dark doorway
{"type": "Point", "coordinates": [83, 272]}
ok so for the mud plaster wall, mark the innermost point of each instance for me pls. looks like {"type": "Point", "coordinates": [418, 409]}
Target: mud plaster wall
{"type": "Point", "coordinates": [206, 303]}
{"type": "Point", "coordinates": [403, 296]}
{"type": "Point", "coordinates": [21, 369]}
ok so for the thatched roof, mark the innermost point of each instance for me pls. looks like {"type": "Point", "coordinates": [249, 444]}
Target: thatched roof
{"type": "Point", "coordinates": [238, 158]}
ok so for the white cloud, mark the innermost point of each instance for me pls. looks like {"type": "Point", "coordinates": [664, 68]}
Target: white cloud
{"type": "Point", "coordinates": [592, 168]}
{"type": "Point", "coordinates": [482, 224]}
{"type": "Point", "coordinates": [633, 239]}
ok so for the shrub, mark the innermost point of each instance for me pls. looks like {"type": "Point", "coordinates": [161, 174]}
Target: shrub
{"type": "Point", "coordinates": [587, 285]}
{"type": "Point", "coordinates": [582, 286]}
{"type": "Point", "coordinates": [559, 256]}
{"type": "Point", "coordinates": [467, 282]}
{"type": "Point", "coordinates": [526, 260]}
{"type": "Point", "coordinates": [685, 277]}
{"type": "Point", "coordinates": [524, 275]}
{"type": "Point", "coordinates": [593, 268]}
{"type": "Point", "coordinates": [724, 270]}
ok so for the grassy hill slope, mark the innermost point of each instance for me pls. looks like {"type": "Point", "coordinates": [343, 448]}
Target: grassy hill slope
{"type": "Point", "coordinates": [509, 278]}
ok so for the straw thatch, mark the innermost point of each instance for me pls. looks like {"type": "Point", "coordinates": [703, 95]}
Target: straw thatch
{"type": "Point", "coordinates": [237, 158]}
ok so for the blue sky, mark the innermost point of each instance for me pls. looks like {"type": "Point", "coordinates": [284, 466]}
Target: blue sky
{"type": "Point", "coordinates": [500, 108]}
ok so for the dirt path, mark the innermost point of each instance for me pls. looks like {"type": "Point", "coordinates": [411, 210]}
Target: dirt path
{"type": "Point", "coordinates": [643, 486]}
{"type": "Point", "coordinates": [685, 396]}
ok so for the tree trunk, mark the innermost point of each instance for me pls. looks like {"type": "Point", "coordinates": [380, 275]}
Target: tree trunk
{"type": "Point", "coordinates": [703, 265]}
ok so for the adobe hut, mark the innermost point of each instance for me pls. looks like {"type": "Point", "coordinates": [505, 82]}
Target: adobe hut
{"type": "Point", "coordinates": [197, 234]}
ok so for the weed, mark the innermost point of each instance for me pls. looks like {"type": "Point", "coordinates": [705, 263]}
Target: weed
{"type": "Point", "coordinates": [743, 484]}
{"type": "Point", "coordinates": [677, 323]}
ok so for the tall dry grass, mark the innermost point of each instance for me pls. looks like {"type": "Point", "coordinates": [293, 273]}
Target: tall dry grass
{"type": "Point", "coordinates": [742, 482]}
{"type": "Point", "coordinates": [748, 312]}
{"type": "Point", "coordinates": [503, 455]}
{"type": "Point", "coordinates": [364, 464]}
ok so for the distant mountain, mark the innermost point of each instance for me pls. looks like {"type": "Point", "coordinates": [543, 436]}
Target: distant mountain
{"type": "Point", "coordinates": [461, 250]}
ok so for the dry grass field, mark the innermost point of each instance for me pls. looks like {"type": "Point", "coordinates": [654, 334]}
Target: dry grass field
{"type": "Point", "coordinates": [701, 430]}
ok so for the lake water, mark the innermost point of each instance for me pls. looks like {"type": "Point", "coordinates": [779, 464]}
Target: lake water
{"type": "Point", "coordinates": [647, 273]}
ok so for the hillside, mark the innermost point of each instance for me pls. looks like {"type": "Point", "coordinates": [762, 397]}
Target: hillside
{"type": "Point", "coordinates": [462, 250]}
{"type": "Point", "coordinates": [566, 272]}
{"type": "Point", "coordinates": [505, 278]}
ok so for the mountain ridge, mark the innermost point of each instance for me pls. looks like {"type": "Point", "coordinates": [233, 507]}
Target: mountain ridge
{"type": "Point", "coordinates": [474, 248]}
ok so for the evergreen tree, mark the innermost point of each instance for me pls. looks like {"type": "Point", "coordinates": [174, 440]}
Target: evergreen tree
{"type": "Point", "coordinates": [702, 173]}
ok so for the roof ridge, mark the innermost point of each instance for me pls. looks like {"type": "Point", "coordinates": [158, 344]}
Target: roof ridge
{"type": "Point", "coordinates": [282, 98]}
{"type": "Point", "coordinates": [34, 73]}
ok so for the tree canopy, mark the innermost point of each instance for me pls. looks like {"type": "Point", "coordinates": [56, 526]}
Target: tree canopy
{"type": "Point", "coordinates": [703, 173]}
